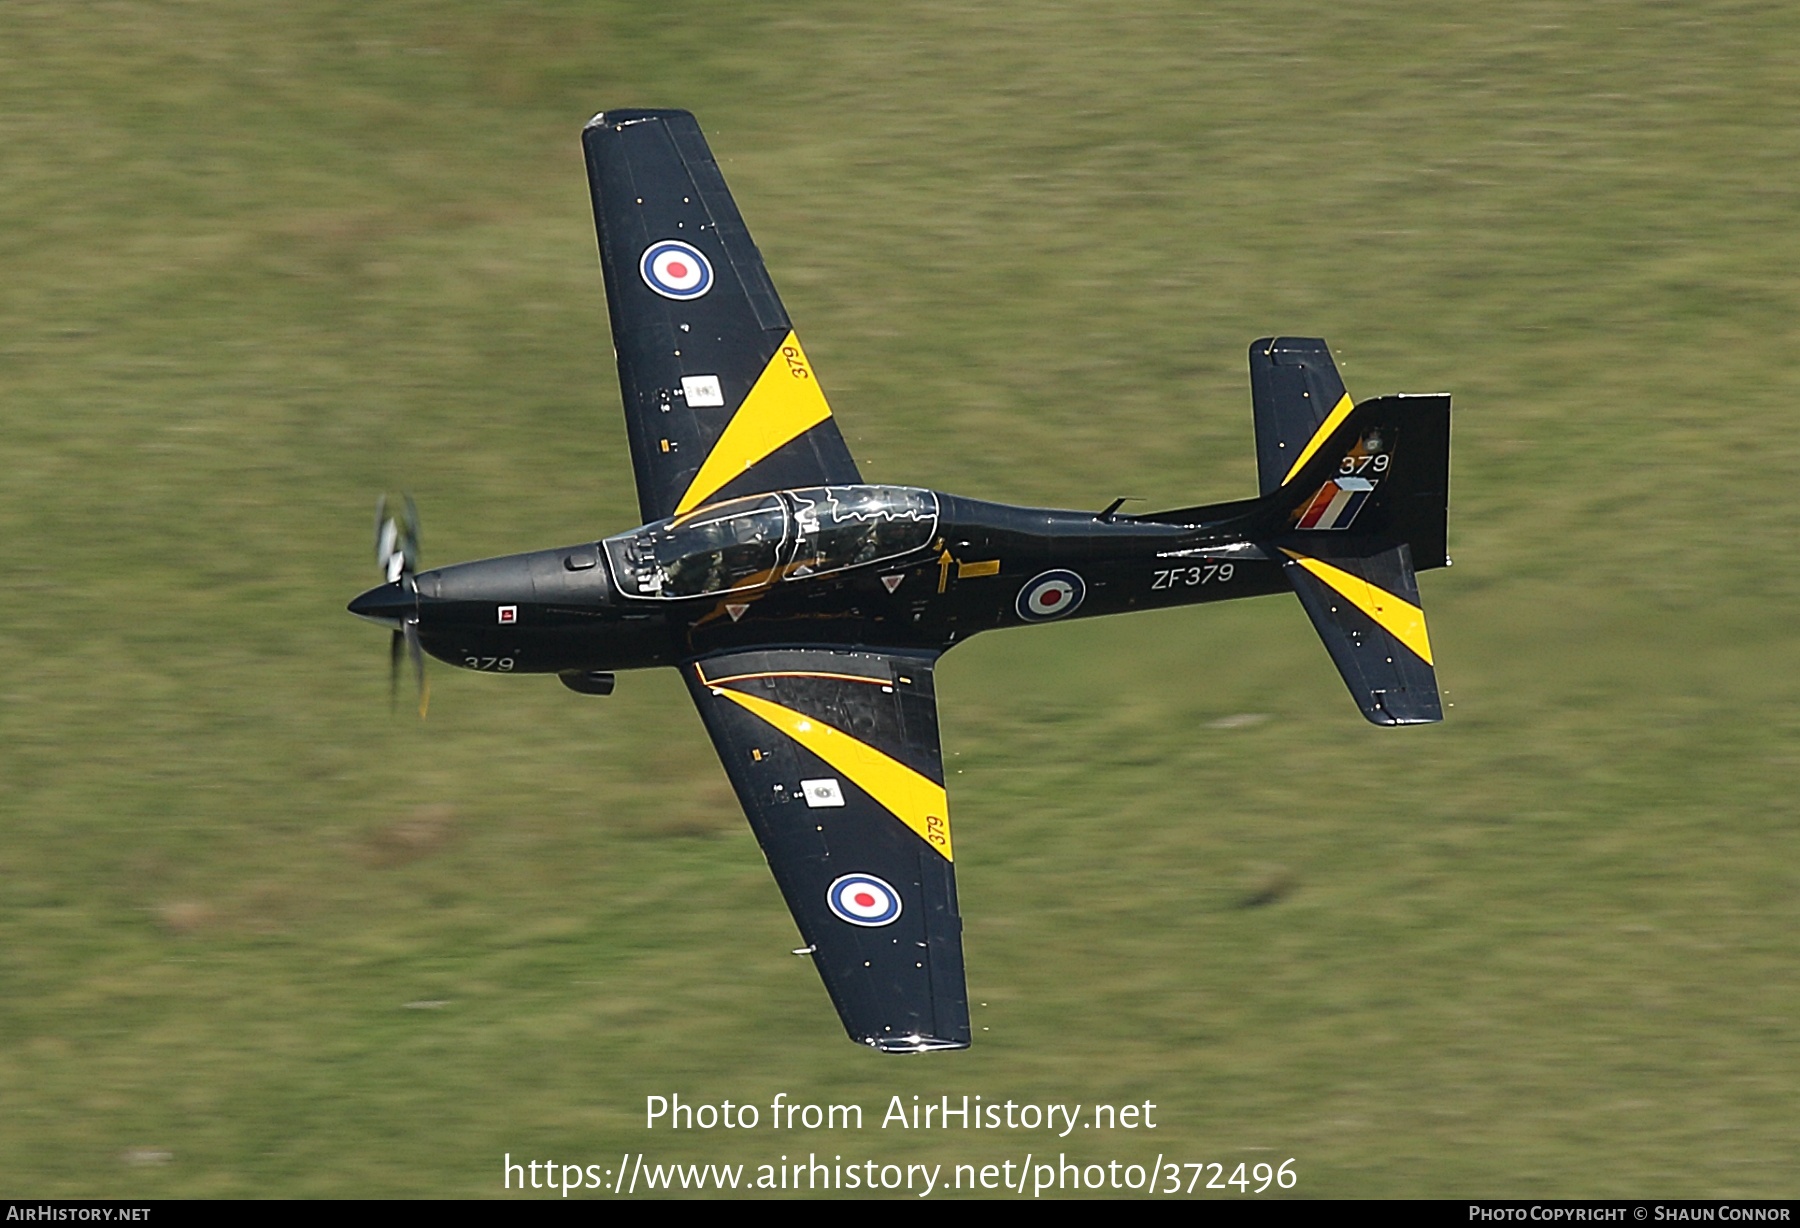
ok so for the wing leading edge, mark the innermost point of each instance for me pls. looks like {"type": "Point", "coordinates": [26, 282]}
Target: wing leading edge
{"type": "Point", "coordinates": [835, 757]}
{"type": "Point", "coordinates": [719, 397]}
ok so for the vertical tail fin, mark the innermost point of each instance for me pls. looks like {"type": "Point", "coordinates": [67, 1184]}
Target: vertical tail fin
{"type": "Point", "coordinates": [1357, 501]}
{"type": "Point", "coordinates": [1381, 472]}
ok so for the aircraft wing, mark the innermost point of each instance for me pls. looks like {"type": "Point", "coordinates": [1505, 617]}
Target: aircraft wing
{"type": "Point", "coordinates": [720, 399]}
{"type": "Point", "coordinates": [834, 755]}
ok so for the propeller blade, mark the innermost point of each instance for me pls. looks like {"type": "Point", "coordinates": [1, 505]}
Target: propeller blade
{"type": "Point", "coordinates": [396, 650]}
{"type": "Point", "coordinates": [396, 540]}
{"type": "Point", "coordinates": [418, 660]}
{"type": "Point", "coordinates": [409, 545]}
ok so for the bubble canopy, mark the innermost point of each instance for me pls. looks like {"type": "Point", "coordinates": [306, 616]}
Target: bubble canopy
{"type": "Point", "coordinates": [756, 541]}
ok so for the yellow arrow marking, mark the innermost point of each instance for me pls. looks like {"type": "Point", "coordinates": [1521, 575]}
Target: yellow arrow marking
{"type": "Point", "coordinates": [917, 801]}
{"type": "Point", "coordinates": [1338, 413]}
{"type": "Point", "coordinates": [784, 404]}
{"type": "Point", "coordinates": [1398, 617]}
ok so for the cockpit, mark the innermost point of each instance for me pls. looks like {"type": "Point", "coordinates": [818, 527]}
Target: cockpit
{"type": "Point", "coordinates": [756, 541]}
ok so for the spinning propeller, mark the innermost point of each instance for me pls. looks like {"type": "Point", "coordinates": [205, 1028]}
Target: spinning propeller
{"type": "Point", "coordinates": [397, 554]}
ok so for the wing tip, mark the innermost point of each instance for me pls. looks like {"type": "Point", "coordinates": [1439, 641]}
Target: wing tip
{"type": "Point", "coordinates": [625, 116]}
{"type": "Point", "coordinates": [1387, 720]}
{"type": "Point", "coordinates": [912, 1043]}
{"type": "Point", "coordinates": [1390, 711]}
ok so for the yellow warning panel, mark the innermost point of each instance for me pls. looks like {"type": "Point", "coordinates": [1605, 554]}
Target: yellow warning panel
{"type": "Point", "coordinates": [917, 801]}
{"type": "Point", "coordinates": [784, 404]}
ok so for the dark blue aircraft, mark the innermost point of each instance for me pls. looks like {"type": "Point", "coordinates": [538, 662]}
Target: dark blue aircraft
{"type": "Point", "coordinates": [807, 608]}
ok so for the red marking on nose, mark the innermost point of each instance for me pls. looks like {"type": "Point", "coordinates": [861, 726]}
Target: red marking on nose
{"type": "Point", "coordinates": [864, 899]}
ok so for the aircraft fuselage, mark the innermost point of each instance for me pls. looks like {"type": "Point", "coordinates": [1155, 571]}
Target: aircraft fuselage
{"type": "Point", "coordinates": [968, 566]}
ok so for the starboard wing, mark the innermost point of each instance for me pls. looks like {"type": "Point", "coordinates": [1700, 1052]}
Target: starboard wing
{"type": "Point", "coordinates": [720, 400]}
{"type": "Point", "coordinates": [834, 754]}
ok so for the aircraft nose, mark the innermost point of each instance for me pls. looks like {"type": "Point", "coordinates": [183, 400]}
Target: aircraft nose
{"type": "Point", "coordinates": [387, 604]}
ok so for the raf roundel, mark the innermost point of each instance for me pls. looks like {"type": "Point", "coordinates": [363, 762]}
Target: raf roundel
{"type": "Point", "coordinates": [863, 899]}
{"type": "Point", "coordinates": [1050, 595]}
{"type": "Point", "coordinates": [675, 270]}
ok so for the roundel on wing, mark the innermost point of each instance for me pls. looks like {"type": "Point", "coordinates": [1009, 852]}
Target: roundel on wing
{"type": "Point", "coordinates": [675, 270]}
{"type": "Point", "coordinates": [1050, 594]}
{"type": "Point", "coordinates": [863, 899]}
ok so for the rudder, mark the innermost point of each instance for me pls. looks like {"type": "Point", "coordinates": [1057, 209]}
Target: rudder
{"type": "Point", "coordinates": [1382, 471]}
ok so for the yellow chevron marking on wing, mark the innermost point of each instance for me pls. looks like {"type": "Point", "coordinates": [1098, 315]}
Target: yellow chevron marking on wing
{"type": "Point", "coordinates": [915, 800]}
{"type": "Point", "coordinates": [1338, 413]}
{"type": "Point", "coordinates": [784, 404]}
{"type": "Point", "coordinates": [1398, 617]}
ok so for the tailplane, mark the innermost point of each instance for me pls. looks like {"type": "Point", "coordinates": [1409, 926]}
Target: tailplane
{"type": "Point", "coordinates": [1296, 392]}
{"type": "Point", "coordinates": [1365, 607]}
{"type": "Point", "coordinates": [1356, 501]}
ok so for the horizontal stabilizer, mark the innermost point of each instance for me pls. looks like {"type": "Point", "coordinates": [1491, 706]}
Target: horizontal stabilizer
{"type": "Point", "coordinates": [1298, 400]}
{"type": "Point", "coordinates": [1365, 606]}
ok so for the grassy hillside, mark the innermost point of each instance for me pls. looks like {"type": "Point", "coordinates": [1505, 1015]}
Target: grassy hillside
{"type": "Point", "coordinates": [258, 936]}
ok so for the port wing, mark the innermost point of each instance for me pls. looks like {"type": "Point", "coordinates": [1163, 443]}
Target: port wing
{"type": "Point", "coordinates": [720, 399]}
{"type": "Point", "coordinates": [834, 755]}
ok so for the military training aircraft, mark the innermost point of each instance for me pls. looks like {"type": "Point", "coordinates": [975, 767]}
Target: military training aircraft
{"type": "Point", "coordinates": [807, 609]}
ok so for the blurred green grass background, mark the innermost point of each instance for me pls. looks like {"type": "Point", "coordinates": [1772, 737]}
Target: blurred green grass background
{"type": "Point", "coordinates": [258, 264]}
